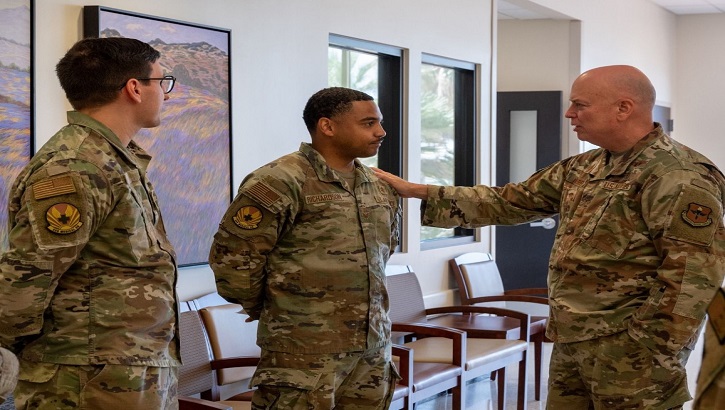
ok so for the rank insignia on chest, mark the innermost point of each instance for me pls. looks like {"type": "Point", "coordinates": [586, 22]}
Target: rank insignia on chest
{"type": "Point", "coordinates": [248, 217]}
{"type": "Point", "coordinates": [697, 215]}
{"type": "Point", "coordinates": [63, 218]}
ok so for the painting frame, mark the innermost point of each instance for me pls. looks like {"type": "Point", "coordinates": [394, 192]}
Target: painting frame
{"type": "Point", "coordinates": [192, 163]}
{"type": "Point", "coordinates": [17, 98]}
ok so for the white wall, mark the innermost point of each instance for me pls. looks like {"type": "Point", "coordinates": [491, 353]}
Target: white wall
{"type": "Point", "coordinates": [700, 85]}
{"type": "Point", "coordinates": [633, 32]}
{"type": "Point", "coordinates": [279, 59]}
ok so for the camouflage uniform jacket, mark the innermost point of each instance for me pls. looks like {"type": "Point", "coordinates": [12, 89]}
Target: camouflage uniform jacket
{"type": "Point", "coordinates": [711, 380]}
{"type": "Point", "coordinates": [89, 277]}
{"type": "Point", "coordinates": [305, 253]}
{"type": "Point", "coordinates": [640, 246]}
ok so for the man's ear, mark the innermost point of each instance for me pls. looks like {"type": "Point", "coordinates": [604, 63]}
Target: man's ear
{"type": "Point", "coordinates": [326, 126]}
{"type": "Point", "coordinates": [133, 89]}
{"type": "Point", "coordinates": [625, 107]}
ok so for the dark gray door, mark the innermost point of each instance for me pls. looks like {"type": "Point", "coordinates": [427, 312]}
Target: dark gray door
{"type": "Point", "coordinates": [528, 137]}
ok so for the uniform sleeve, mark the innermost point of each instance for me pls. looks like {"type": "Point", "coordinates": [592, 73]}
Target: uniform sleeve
{"type": "Point", "coordinates": [51, 221]}
{"type": "Point", "coordinates": [473, 207]}
{"type": "Point", "coordinates": [247, 233]}
{"type": "Point", "coordinates": [684, 215]}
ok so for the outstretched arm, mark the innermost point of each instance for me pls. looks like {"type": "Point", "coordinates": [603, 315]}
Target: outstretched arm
{"type": "Point", "coordinates": [405, 189]}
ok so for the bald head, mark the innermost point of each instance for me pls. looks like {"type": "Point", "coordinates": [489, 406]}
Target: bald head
{"type": "Point", "coordinates": [623, 81]}
{"type": "Point", "coordinates": [612, 106]}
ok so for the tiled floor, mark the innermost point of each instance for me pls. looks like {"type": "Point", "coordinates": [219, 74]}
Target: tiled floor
{"type": "Point", "coordinates": [481, 395]}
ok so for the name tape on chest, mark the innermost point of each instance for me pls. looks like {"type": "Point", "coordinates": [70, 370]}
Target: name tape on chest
{"type": "Point", "coordinates": [317, 198]}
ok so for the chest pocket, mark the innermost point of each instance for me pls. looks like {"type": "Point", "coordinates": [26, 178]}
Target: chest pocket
{"type": "Point", "coordinates": [611, 219]}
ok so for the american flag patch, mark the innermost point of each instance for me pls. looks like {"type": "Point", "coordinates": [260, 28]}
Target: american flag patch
{"type": "Point", "coordinates": [53, 187]}
{"type": "Point", "coordinates": [263, 194]}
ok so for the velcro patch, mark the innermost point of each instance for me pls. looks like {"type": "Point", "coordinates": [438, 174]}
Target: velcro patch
{"type": "Point", "coordinates": [696, 213]}
{"type": "Point", "coordinates": [248, 217]}
{"type": "Point", "coordinates": [63, 218]}
{"type": "Point", "coordinates": [53, 187]}
{"type": "Point", "coordinates": [263, 194]}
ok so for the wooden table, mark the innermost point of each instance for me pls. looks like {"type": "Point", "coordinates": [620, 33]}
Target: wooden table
{"type": "Point", "coordinates": [489, 327]}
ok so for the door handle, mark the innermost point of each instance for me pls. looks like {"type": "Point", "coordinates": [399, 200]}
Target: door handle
{"type": "Point", "coordinates": [546, 223]}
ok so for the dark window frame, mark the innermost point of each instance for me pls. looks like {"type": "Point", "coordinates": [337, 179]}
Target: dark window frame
{"type": "Point", "coordinates": [390, 96]}
{"type": "Point", "coordinates": [465, 138]}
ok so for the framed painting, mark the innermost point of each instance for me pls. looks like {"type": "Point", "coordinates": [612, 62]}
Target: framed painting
{"type": "Point", "coordinates": [16, 98]}
{"type": "Point", "coordinates": [191, 149]}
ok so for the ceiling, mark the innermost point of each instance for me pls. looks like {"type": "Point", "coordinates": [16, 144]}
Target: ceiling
{"type": "Point", "coordinates": [518, 10]}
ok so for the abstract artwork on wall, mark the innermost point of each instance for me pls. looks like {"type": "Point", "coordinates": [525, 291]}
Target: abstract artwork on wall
{"type": "Point", "coordinates": [16, 98]}
{"type": "Point", "coordinates": [191, 149]}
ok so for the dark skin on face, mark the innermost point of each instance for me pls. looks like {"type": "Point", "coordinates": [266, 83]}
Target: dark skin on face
{"type": "Point", "coordinates": [356, 133]}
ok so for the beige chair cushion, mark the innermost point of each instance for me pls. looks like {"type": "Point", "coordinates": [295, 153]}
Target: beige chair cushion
{"type": "Point", "coordinates": [479, 352]}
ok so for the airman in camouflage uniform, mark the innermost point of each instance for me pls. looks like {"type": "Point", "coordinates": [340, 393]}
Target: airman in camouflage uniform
{"type": "Point", "coordinates": [87, 287]}
{"type": "Point", "coordinates": [710, 392]}
{"type": "Point", "coordinates": [637, 257]}
{"type": "Point", "coordinates": [303, 248]}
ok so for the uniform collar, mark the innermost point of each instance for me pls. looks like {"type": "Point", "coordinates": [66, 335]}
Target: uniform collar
{"type": "Point", "coordinates": [327, 174]}
{"type": "Point", "coordinates": [611, 163]}
{"type": "Point", "coordinates": [133, 152]}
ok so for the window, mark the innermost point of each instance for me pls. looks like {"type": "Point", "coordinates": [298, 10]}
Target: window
{"type": "Point", "coordinates": [448, 134]}
{"type": "Point", "coordinates": [375, 69]}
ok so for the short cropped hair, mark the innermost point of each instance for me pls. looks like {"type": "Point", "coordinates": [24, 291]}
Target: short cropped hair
{"type": "Point", "coordinates": [94, 70]}
{"type": "Point", "coordinates": [330, 102]}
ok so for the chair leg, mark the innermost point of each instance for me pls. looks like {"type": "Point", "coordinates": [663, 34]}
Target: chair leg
{"type": "Point", "coordinates": [538, 340]}
{"type": "Point", "coordinates": [522, 402]}
{"type": "Point", "coordinates": [501, 374]}
{"type": "Point", "coordinates": [459, 394]}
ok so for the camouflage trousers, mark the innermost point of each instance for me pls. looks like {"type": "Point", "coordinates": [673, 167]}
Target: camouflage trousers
{"type": "Point", "coordinates": [353, 380]}
{"type": "Point", "coordinates": [615, 372]}
{"type": "Point", "coordinates": [48, 386]}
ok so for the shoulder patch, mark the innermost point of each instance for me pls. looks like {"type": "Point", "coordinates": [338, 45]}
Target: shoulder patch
{"type": "Point", "coordinates": [49, 188]}
{"type": "Point", "coordinates": [63, 218]}
{"type": "Point", "coordinates": [695, 217]}
{"type": "Point", "coordinates": [248, 217]}
{"type": "Point", "coordinates": [263, 193]}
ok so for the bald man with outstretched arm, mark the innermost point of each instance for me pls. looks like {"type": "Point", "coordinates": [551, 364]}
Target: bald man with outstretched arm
{"type": "Point", "coordinates": [638, 254]}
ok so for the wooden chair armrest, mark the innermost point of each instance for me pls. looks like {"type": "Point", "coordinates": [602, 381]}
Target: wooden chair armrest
{"type": "Point", "coordinates": [405, 365]}
{"type": "Point", "coordinates": [524, 319]}
{"type": "Point", "coordinates": [541, 292]}
{"type": "Point", "coordinates": [424, 329]}
{"type": "Point", "coordinates": [509, 298]}
{"type": "Point", "coordinates": [190, 403]}
{"type": "Point", "coordinates": [231, 362]}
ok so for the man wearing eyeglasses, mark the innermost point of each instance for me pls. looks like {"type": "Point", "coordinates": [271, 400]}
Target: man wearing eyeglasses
{"type": "Point", "coordinates": [87, 299]}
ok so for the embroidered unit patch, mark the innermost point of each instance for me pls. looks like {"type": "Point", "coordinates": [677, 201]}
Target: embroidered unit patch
{"type": "Point", "coordinates": [248, 217]}
{"type": "Point", "coordinates": [63, 218]}
{"type": "Point", "coordinates": [697, 215]}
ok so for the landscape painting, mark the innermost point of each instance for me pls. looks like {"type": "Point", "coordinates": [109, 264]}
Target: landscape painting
{"type": "Point", "coordinates": [191, 149]}
{"type": "Point", "coordinates": [16, 97]}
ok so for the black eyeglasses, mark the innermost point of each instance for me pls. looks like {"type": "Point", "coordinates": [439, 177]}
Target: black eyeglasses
{"type": "Point", "coordinates": [167, 82]}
